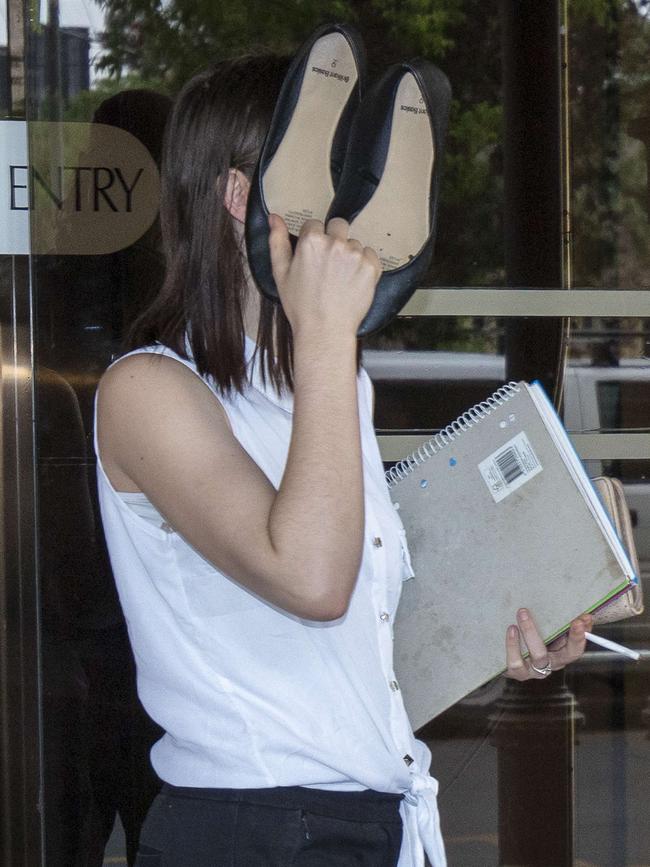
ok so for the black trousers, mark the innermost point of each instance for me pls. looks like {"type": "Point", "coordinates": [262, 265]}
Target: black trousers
{"type": "Point", "coordinates": [281, 827]}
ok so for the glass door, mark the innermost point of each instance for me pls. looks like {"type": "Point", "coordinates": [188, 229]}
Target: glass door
{"type": "Point", "coordinates": [541, 270]}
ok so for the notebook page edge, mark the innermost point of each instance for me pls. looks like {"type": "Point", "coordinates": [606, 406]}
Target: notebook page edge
{"type": "Point", "coordinates": [574, 465]}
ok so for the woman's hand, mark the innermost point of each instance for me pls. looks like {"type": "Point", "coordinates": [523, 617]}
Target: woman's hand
{"type": "Point", "coordinates": [329, 281]}
{"type": "Point", "coordinates": [542, 659]}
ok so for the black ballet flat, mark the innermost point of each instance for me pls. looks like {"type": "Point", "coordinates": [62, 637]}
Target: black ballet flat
{"type": "Point", "coordinates": [301, 160]}
{"type": "Point", "coordinates": [389, 186]}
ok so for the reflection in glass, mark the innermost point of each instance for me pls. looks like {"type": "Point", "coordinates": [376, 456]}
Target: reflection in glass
{"type": "Point", "coordinates": [426, 371]}
{"type": "Point", "coordinates": [96, 734]}
{"type": "Point", "coordinates": [610, 129]}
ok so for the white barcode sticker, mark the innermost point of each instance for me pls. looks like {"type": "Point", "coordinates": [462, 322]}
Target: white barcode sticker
{"type": "Point", "coordinates": [510, 467]}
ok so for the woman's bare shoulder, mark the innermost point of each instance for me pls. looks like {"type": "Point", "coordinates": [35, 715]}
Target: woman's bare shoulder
{"type": "Point", "coordinates": [151, 393]}
{"type": "Point", "coordinates": [147, 376]}
{"type": "Point", "coordinates": [142, 366]}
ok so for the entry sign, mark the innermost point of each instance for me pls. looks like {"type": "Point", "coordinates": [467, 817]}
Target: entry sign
{"type": "Point", "coordinates": [14, 225]}
{"type": "Point", "coordinates": [74, 188]}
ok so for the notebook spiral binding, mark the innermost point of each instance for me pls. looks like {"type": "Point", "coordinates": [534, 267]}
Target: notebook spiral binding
{"type": "Point", "coordinates": [463, 423]}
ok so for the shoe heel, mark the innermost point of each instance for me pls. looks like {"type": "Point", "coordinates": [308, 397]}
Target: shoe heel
{"type": "Point", "coordinates": [401, 200]}
{"type": "Point", "coordinates": [297, 183]}
{"type": "Point", "coordinates": [303, 154]}
{"type": "Point", "coordinates": [391, 176]}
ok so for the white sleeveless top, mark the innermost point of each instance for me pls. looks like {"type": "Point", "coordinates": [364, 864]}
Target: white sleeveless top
{"type": "Point", "coordinates": [250, 696]}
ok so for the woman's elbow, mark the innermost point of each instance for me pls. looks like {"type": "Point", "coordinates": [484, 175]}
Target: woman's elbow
{"type": "Point", "coordinates": [323, 611]}
{"type": "Point", "coordinates": [329, 596]}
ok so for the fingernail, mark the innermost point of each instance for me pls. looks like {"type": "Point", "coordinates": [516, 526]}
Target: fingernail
{"type": "Point", "coordinates": [523, 614]}
{"type": "Point", "coordinates": [512, 632]}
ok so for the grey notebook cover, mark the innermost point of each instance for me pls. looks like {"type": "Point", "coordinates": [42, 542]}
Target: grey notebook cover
{"type": "Point", "coordinates": [494, 522]}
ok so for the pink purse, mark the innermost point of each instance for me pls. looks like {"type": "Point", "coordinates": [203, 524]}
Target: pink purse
{"type": "Point", "coordinates": [630, 603]}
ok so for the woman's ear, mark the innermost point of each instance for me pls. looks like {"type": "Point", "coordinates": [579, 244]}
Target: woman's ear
{"type": "Point", "coordinates": [236, 196]}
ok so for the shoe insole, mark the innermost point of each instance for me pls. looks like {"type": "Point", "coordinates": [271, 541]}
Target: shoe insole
{"type": "Point", "coordinates": [395, 222]}
{"type": "Point", "coordinates": [297, 182]}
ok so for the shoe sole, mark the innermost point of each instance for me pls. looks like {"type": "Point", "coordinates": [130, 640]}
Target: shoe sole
{"type": "Point", "coordinates": [297, 182]}
{"type": "Point", "coordinates": [401, 201]}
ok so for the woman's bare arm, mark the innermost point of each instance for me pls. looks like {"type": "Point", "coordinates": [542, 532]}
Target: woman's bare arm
{"type": "Point", "coordinates": [162, 431]}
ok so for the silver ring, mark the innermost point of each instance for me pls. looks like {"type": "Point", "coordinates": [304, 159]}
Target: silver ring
{"type": "Point", "coordinates": [548, 668]}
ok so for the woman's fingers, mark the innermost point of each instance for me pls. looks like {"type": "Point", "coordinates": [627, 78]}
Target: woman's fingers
{"type": "Point", "coordinates": [337, 227]}
{"type": "Point", "coordinates": [328, 281]}
{"type": "Point", "coordinates": [558, 654]}
{"type": "Point", "coordinates": [373, 259]}
{"type": "Point", "coordinates": [572, 645]}
{"type": "Point", "coordinates": [539, 654]}
{"type": "Point", "coordinates": [311, 227]}
{"type": "Point", "coordinates": [575, 644]}
{"type": "Point", "coordinates": [516, 667]}
{"type": "Point", "coordinates": [519, 668]}
{"type": "Point", "coordinates": [279, 248]}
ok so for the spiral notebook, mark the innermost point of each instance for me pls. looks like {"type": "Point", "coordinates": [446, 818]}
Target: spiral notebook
{"type": "Point", "coordinates": [499, 514]}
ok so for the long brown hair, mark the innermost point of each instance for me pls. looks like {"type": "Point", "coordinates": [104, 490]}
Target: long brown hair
{"type": "Point", "coordinates": [218, 122]}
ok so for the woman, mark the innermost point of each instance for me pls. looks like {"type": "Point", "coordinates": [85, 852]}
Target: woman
{"type": "Point", "coordinates": [256, 551]}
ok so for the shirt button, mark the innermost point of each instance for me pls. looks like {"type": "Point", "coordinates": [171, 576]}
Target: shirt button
{"type": "Point", "coordinates": [377, 542]}
{"type": "Point", "coordinates": [384, 616]}
{"type": "Point", "coordinates": [394, 685]}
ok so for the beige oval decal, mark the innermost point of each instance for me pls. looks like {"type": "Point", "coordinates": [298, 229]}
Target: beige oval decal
{"type": "Point", "coordinates": [89, 188]}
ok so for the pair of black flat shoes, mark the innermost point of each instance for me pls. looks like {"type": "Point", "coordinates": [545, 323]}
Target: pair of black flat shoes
{"type": "Point", "coordinates": [373, 158]}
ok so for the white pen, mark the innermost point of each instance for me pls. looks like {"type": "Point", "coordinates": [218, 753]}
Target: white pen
{"type": "Point", "coordinates": [612, 645]}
